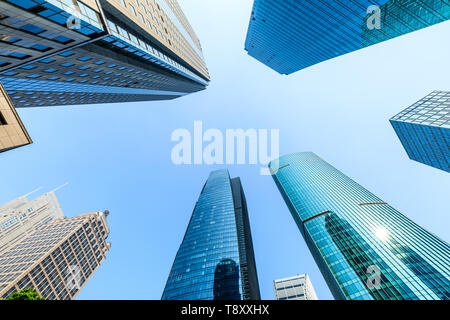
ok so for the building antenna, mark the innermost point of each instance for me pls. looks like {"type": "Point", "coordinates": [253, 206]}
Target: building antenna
{"type": "Point", "coordinates": [60, 187]}
{"type": "Point", "coordinates": [29, 193]}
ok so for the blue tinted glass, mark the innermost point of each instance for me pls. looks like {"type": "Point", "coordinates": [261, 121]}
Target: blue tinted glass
{"type": "Point", "coordinates": [209, 261]}
{"type": "Point", "coordinates": [32, 28]}
{"type": "Point", "coordinates": [28, 67]}
{"type": "Point", "coordinates": [40, 47]}
{"type": "Point", "coordinates": [47, 60]}
{"type": "Point", "coordinates": [66, 54]}
{"type": "Point", "coordinates": [62, 39]}
{"type": "Point", "coordinates": [365, 248]}
{"type": "Point", "coordinates": [289, 36]}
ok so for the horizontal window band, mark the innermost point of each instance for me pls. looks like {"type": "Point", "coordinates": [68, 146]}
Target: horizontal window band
{"type": "Point", "coordinates": [372, 203]}
{"type": "Point", "coordinates": [316, 216]}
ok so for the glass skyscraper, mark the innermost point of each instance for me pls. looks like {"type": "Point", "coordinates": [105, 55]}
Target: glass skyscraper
{"type": "Point", "coordinates": [364, 248]}
{"type": "Point", "coordinates": [290, 35]}
{"type": "Point", "coordinates": [215, 261]}
{"type": "Point", "coordinates": [424, 130]}
{"type": "Point", "coordinates": [65, 52]}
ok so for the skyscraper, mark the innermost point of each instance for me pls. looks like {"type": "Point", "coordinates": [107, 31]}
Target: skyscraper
{"type": "Point", "coordinates": [12, 131]}
{"type": "Point", "coordinates": [215, 261]}
{"type": "Point", "coordinates": [424, 130]}
{"type": "Point", "coordinates": [289, 35]}
{"type": "Point", "coordinates": [364, 248]}
{"type": "Point", "coordinates": [20, 217]}
{"type": "Point", "coordinates": [65, 52]}
{"type": "Point", "coordinates": [294, 288]}
{"type": "Point", "coordinates": [58, 258]}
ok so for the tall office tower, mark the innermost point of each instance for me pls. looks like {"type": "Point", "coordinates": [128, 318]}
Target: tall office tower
{"type": "Point", "coordinates": [12, 131]}
{"type": "Point", "coordinates": [290, 35]}
{"type": "Point", "coordinates": [20, 217]}
{"type": "Point", "coordinates": [65, 52]}
{"type": "Point", "coordinates": [294, 288]}
{"type": "Point", "coordinates": [215, 260]}
{"type": "Point", "coordinates": [424, 130]}
{"type": "Point", "coordinates": [58, 258]}
{"type": "Point", "coordinates": [364, 248]}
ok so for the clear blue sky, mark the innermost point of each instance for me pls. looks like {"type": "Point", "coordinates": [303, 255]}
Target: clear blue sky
{"type": "Point", "coordinates": [117, 156]}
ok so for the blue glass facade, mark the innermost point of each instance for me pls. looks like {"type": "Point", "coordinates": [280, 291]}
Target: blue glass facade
{"type": "Point", "coordinates": [215, 260]}
{"type": "Point", "coordinates": [364, 248]}
{"type": "Point", "coordinates": [110, 57]}
{"type": "Point", "coordinates": [290, 35]}
{"type": "Point", "coordinates": [424, 130]}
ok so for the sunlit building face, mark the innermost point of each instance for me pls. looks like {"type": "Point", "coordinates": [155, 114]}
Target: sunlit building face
{"type": "Point", "coordinates": [364, 248]}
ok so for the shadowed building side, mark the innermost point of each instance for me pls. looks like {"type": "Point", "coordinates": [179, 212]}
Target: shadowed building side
{"type": "Point", "coordinates": [84, 52]}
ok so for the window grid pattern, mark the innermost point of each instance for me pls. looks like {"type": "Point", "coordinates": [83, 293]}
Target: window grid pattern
{"type": "Point", "coordinates": [350, 240]}
{"type": "Point", "coordinates": [48, 259]}
{"type": "Point", "coordinates": [166, 21]}
{"type": "Point", "coordinates": [288, 35]}
{"type": "Point", "coordinates": [129, 61]}
{"type": "Point", "coordinates": [20, 218]}
{"type": "Point", "coordinates": [424, 130]}
{"type": "Point", "coordinates": [92, 78]}
{"type": "Point", "coordinates": [295, 288]}
{"type": "Point", "coordinates": [207, 265]}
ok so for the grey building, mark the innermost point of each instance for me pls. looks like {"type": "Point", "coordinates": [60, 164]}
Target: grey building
{"type": "Point", "coordinates": [66, 52]}
{"type": "Point", "coordinates": [294, 288]}
{"type": "Point", "coordinates": [20, 217]}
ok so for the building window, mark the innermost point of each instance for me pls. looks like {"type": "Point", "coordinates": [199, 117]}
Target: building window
{"type": "Point", "coordinates": [32, 28]}
{"type": "Point", "coordinates": [62, 39]}
{"type": "Point", "coordinates": [28, 67]}
{"type": "Point", "coordinates": [66, 64]}
{"type": "Point", "coordinates": [132, 9]}
{"type": "Point", "coordinates": [46, 60]}
{"type": "Point", "coordinates": [65, 54]}
{"type": "Point", "coordinates": [40, 47]}
{"type": "Point", "coordinates": [2, 120]}
{"type": "Point", "coordinates": [9, 73]}
{"type": "Point", "coordinates": [123, 3]}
